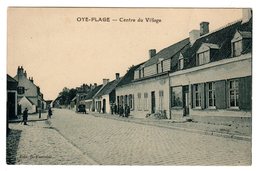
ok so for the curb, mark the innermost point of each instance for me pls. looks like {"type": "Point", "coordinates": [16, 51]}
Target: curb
{"type": "Point", "coordinates": [34, 120]}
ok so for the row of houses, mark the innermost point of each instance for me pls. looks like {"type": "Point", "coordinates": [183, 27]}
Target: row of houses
{"type": "Point", "coordinates": [23, 93]}
{"type": "Point", "coordinates": [206, 76]}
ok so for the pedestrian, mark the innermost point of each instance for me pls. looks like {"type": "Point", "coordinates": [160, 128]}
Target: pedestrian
{"type": "Point", "coordinates": [115, 109]}
{"type": "Point", "coordinates": [25, 116]}
{"type": "Point", "coordinates": [49, 113]}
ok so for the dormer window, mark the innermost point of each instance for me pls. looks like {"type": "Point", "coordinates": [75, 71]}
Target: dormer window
{"type": "Point", "coordinates": [20, 90]}
{"type": "Point", "coordinates": [241, 41]}
{"type": "Point", "coordinates": [159, 65]}
{"type": "Point", "coordinates": [203, 58]}
{"type": "Point", "coordinates": [204, 53]}
{"type": "Point", "coordinates": [237, 48]}
{"type": "Point", "coordinates": [180, 62]}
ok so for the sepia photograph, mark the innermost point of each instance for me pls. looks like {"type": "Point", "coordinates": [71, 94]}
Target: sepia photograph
{"type": "Point", "coordinates": [135, 86]}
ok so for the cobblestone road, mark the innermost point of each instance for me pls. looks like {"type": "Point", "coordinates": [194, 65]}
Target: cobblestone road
{"type": "Point", "coordinates": [111, 142]}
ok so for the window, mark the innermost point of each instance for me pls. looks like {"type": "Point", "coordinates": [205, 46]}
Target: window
{"type": "Point", "coordinates": [197, 96]}
{"type": "Point", "coordinates": [146, 101]}
{"type": "Point", "coordinates": [211, 94]}
{"type": "Point", "coordinates": [237, 48]}
{"type": "Point", "coordinates": [159, 66]}
{"type": "Point", "coordinates": [233, 93]}
{"type": "Point", "coordinates": [160, 100]}
{"type": "Point", "coordinates": [131, 101]}
{"type": "Point", "coordinates": [20, 90]}
{"type": "Point", "coordinates": [203, 58]}
{"type": "Point", "coordinates": [139, 106]}
{"type": "Point", "coordinates": [176, 98]}
{"type": "Point", "coordinates": [180, 63]}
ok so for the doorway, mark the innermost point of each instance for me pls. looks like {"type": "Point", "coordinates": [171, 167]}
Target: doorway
{"type": "Point", "coordinates": [185, 90]}
{"type": "Point", "coordinates": [153, 102]}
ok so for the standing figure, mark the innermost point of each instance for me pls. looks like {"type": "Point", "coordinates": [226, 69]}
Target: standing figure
{"type": "Point", "coordinates": [49, 113]}
{"type": "Point", "coordinates": [25, 116]}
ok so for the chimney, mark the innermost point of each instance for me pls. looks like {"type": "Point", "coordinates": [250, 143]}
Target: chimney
{"type": "Point", "coordinates": [105, 81]}
{"type": "Point", "coordinates": [194, 35]}
{"type": "Point", "coordinates": [95, 84]}
{"type": "Point", "coordinates": [25, 74]}
{"type": "Point", "coordinates": [204, 28]}
{"type": "Point", "coordinates": [152, 53]}
{"type": "Point", "coordinates": [246, 15]}
{"type": "Point", "coordinates": [31, 79]}
{"type": "Point", "coordinates": [117, 76]}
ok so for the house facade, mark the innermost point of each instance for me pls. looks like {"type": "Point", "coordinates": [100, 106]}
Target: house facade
{"type": "Point", "coordinates": [27, 88]}
{"type": "Point", "coordinates": [107, 95]}
{"type": "Point", "coordinates": [11, 97]}
{"type": "Point", "coordinates": [212, 80]}
{"type": "Point", "coordinates": [206, 77]}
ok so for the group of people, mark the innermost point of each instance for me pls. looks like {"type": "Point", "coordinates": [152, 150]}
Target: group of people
{"type": "Point", "coordinates": [120, 110]}
{"type": "Point", "coordinates": [25, 115]}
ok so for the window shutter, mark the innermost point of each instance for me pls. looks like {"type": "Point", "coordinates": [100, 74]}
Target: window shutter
{"type": "Point", "coordinates": [245, 93]}
{"type": "Point", "coordinates": [207, 95]}
{"type": "Point", "coordinates": [220, 93]}
{"type": "Point", "coordinates": [202, 93]}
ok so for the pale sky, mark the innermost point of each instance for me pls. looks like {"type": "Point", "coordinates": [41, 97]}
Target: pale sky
{"type": "Point", "coordinates": [58, 51]}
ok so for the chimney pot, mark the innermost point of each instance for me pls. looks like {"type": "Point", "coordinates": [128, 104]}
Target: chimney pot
{"type": "Point", "coordinates": [105, 81]}
{"type": "Point", "coordinates": [117, 76]}
{"type": "Point", "coordinates": [204, 28]}
{"type": "Point", "coordinates": [152, 53]}
{"type": "Point", "coordinates": [194, 35]}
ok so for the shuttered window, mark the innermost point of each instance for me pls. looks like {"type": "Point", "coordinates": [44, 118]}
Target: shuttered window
{"type": "Point", "coordinates": [139, 105]}
{"type": "Point", "coordinates": [146, 101]}
{"type": "Point", "coordinates": [197, 96]}
{"type": "Point", "coordinates": [211, 98]}
{"type": "Point", "coordinates": [233, 93]}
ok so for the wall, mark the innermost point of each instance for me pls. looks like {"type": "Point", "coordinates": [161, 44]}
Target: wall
{"type": "Point", "coordinates": [147, 86]}
{"type": "Point", "coordinates": [221, 70]}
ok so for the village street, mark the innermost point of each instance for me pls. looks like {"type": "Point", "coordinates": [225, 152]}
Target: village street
{"type": "Point", "coordinates": [70, 138]}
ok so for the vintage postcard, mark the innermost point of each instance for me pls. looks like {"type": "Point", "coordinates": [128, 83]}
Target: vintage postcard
{"type": "Point", "coordinates": [129, 86]}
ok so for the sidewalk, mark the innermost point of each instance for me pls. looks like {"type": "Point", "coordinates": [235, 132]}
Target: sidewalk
{"type": "Point", "coordinates": [31, 118]}
{"type": "Point", "coordinates": [231, 131]}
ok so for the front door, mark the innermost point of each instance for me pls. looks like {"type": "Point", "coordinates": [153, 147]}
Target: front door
{"type": "Point", "coordinates": [153, 102]}
{"type": "Point", "coordinates": [186, 100]}
{"type": "Point", "coordinates": [104, 106]}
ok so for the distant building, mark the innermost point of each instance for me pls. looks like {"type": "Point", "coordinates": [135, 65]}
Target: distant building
{"type": "Point", "coordinates": [27, 88]}
{"type": "Point", "coordinates": [107, 95]}
{"type": "Point", "coordinates": [11, 97]}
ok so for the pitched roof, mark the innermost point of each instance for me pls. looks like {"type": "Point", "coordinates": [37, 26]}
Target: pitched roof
{"type": "Point", "coordinates": [27, 99]}
{"type": "Point", "coordinates": [10, 79]}
{"type": "Point", "coordinates": [221, 38]}
{"type": "Point", "coordinates": [167, 52]}
{"type": "Point", "coordinates": [108, 88]}
{"type": "Point", "coordinates": [92, 93]}
{"type": "Point", "coordinates": [129, 76]}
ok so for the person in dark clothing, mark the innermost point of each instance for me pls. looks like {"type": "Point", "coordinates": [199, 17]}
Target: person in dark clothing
{"type": "Point", "coordinates": [115, 109]}
{"type": "Point", "coordinates": [49, 113]}
{"type": "Point", "coordinates": [25, 116]}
